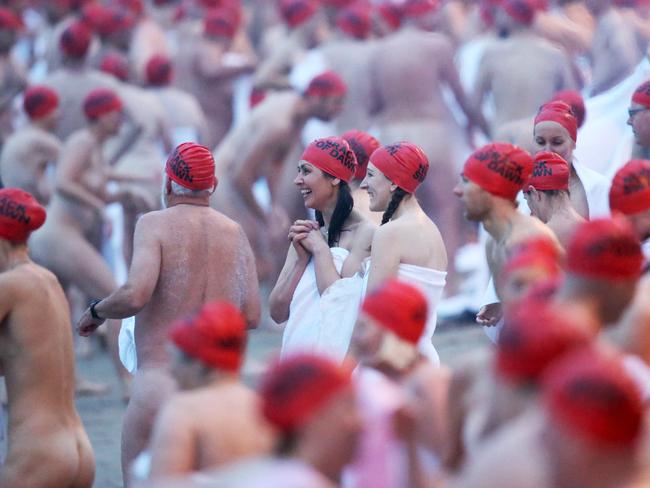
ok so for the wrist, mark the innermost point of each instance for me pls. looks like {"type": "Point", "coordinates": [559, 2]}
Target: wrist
{"type": "Point", "coordinates": [93, 310]}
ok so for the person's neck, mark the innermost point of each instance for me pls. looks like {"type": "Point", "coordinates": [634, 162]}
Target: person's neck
{"type": "Point", "coordinates": [40, 125]}
{"type": "Point", "coordinates": [408, 205]}
{"type": "Point", "coordinates": [501, 219]}
{"type": "Point", "coordinates": [99, 135]}
{"type": "Point", "coordinates": [18, 255]}
{"type": "Point", "coordinates": [73, 64]}
{"type": "Point", "coordinates": [173, 200]}
{"type": "Point", "coordinates": [218, 378]}
{"type": "Point", "coordinates": [327, 213]}
{"type": "Point", "coordinates": [561, 208]}
{"type": "Point", "coordinates": [312, 454]}
{"type": "Point", "coordinates": [571, 294]}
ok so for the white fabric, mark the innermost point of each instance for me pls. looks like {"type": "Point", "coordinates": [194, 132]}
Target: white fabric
{"type": "Point", "coordinates": [323, 323]}
{"type": "Point", "coordinates": [605, 134]}
{"type": "Point", "coordinates": [639, 371]}
{"type": "Point", "coordinates": [126, 345]}
{"type": "Point", "coordinates": [431, 282]}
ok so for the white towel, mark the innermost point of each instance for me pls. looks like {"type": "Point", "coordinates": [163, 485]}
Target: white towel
{"type": "Point", "coordinates": [126, 345]}
{"type": "Point", "coordinates": [323, 323]}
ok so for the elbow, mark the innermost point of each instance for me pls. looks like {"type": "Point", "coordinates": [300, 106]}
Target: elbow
{"type": "Point", "coordinates": [278, 310]}
{"type": "Point", "coordinates": [136, 300]}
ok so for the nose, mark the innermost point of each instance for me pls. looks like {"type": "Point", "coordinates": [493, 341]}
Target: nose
{"type": "Point", "coordinates": [298, 179]}
{"type": "Point", "coordinates": [458, 191]}
{"type": "Point", "coordinates": [364, 184]}
{"type": "Point", "coordinates": [629, 121]}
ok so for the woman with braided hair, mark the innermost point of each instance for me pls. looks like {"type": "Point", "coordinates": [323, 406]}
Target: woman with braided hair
{"type": "Point", "coordinates": [408, 245]}
{"type": "Point", "coordinates": [318, 292]}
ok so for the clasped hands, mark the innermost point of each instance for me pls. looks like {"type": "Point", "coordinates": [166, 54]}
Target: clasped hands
{"type": "Point", "coordinates": [306, 237]}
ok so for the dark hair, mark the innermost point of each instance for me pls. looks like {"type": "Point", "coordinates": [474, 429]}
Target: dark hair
{"type": "Point", "coordinates": [342, 211]}
{"type": "Point", "coordinates": [286, 444]}
{"type": "Point", "coordinates": [554, 193]}
{"type": "Point", "coordinates": [396, 199]}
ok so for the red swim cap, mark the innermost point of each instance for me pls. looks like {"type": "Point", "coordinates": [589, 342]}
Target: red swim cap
{"type": "Point", "coordinates": [590, 394]}
{"type": "Point", "coordinates": [159, 70]}
{"type": "Point", "coordinates": [642, 94]}
{"type": "Point", "coordinates": [538, 252]}
{"type": "Point", "coordinates": [363, 145]}
{"type": "Point", "coordinates": [355, 20]}
{"type": "Point", "coordinates": [216, 336]}
{"type": "Point", "coordinates": [106, 20]}
{"type": "Point", "coordinates": [605, 249]}
{"type": "Point", "coordinates": [115, 64]}
{"type": "Point", "coordinates": [75, 40]}
{"type": "Point", "coordinates": [574, 99]}
{"type": "Point", "coordinates": [219, 23]}
{"type": "Point", "coordinates": [101, 101]}
{"type": "Point", "coordinates": [20, 214]}
{"type": "Point", "coordinates": [560, 113]}
{"type": "Point", "coordinates": [192, 166]}
{"type": "Point", "coordinates": [551, 172]}
{"type": "Point", "coordinates": [295, 389]}
{"type": "Point", "coordinates": [391, 14]}
{"type": "Point", "coordinates": [9, 20]}
{"type": "Point", "coordinates": [398, 307]}
{"type": "Point", "coordinates": [522, 11]}
{"type": "Point", "coordinates": [416, 8]}
{"type": "Point", "coordinates": [333, 156]}
{"type": "Point", "coordinates": [403, 163]}
{"type": "Point", "coordinates": [336, 3]}
{"type": "Point", "coordinates": [297, 12]}
{"type": "Point", "coordinates": [534, 335]}
{"type": "Point", "coordinates": [327, 84]}
{"type": "Point", "coordinates": [500, 169]}
{"type": "Point", "coordinates": [136, 7]}
{"type": "Point", "coordinates": [40, 101]}
{"type": "Point", "coordinates": [630, 191]}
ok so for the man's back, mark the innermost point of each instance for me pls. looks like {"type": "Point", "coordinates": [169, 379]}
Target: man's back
{"type": "Point", "coordinates": [204, 257]}
{"type": "Point", "coordinates": [522, 73]}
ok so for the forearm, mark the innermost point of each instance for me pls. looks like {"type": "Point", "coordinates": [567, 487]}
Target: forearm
{"type": "Point", "coordinates": [78, 192]}
{"type": "Point", "coordinates": [132, 136]}
{"type": "Point", "coordinates": [282, 293]}
{"type": "Point", "coordinates": [326, 273]}
{"type": "Point", "coordinates": [222, 73]}
{"type": "Point", "coordinates": [250, 200]}
{"type": "Point", "coordinates": [121, 304]}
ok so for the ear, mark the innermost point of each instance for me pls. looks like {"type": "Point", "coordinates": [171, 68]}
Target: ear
{"type": "Point", "coordinates": [336, 181]}
{"type": "Point", "coordinates": [168, 186]}
{"type": "Point", "coordinates": [393, 187]}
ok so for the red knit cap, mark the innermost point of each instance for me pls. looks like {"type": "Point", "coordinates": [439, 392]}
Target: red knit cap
{"type": "Point", "coordinates": [75, 40]}
{"type": "Point", "coordinates": [642, 94]}
{"type": "Point", "coordinates": [574, 99]}
{"type": "Point", "coordinates": [363, 145]}
{"type": "Point", "coordinates": [115, 64]}
{"type": "Point", "coordinates": [20, 214]}
{"type": "Point", "coordinates": [333, 156]}
{"type": "Point", "coordinates": [40, 101]}
{"type": "Point", "coordinates": [391, 14]}
{"type": "Point", "coordinates": [416, 8]}
{"type": "Point", "coordinates": [294, 390]}
{"type": "Point", "coordinates": [605, 249]}
{"type": "Point", "coordinates": [159, 70]}
{"type": "Point", "coordinates": [551, 172]}
{"type": "Point", "coordinates": [522, 11]}
{"type": "Point", "coordinates": [398, 307]}
{"type": "Point", "coordinates": [101, 101]}
{"type": "Point", "coordinates": [500, 169]}
{"type": "Point", "coordinates": [297, 12]}
{"type": "Point", "coordinates": [9, 20]}
{"type": "Point", "coordinates": [355, 20]}
{"type": "Point", "coordinates": [192, 166]}
{"type": "Point", "coordinates": [591, 396]}
{"type": "Point", "coordinates": [216, 336]}
{"type": "Point", "coordinates": [327, 84]}
{"type": "Point", "coordinates": [403, 163]}
{"type": "Point", "coordinates": [533, 336]}
{"type": "Point", "coordinates": [630, 191]}
{"type": "Point", "coordinates": [219, 23]}
{"type": "Point", "coordinates": [560, 113]}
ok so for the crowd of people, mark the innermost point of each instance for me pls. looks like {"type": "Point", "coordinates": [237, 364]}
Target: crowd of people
{"type": "Point", "coordinates": [160, 158]}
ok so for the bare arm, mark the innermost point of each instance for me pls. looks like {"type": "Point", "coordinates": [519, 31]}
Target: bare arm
{"type": "Point", "coordinates": [210, 65]}
{"type": "Point", "coordinates": [173, 442]}
{"type": "Point", "coordinates": [246, 172]}
{"type": "Point", "coordinates": [482, 84]}
{"type": "Point", "coordinates": [282, 293]}
{"type": "Point", "coordinates": [131, 297]}
{"type": "Point", "coordinates": [384, 258]}
{"type": "Point", "coordinates": [251, 303]}
{"type": "Point", "coordinates": [69, 172]}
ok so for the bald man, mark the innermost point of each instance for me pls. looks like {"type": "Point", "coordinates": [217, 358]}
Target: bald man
{"type": "Point", "coordinates": [184, 256]}
{"type": "Point", "coordinates": [32, 150]}
{"type": "Point", "coordinates": [48, 446]}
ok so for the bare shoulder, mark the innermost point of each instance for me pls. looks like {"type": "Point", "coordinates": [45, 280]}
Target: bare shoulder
{"type": "Point", "coordinates": [25, 281]}
{"type": "Point", "coordinates": [530, 227]}
{"type": "Point", "coordinates": [80, 140]}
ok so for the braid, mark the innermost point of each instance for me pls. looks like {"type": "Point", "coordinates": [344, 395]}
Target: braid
{"type": "Point", "coordinates": [342, 211]}
{"type": "Point", "coordinates": [395, 200]}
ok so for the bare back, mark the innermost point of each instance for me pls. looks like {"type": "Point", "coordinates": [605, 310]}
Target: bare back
{"type": "Point", "coordinates": [208, 428]}
{"type": "Point", "coordinates": [204, 257]}
{"type": "Point", "coordinates": [522, 72]}
{"type": "Point", "coordinates": [407, 87]}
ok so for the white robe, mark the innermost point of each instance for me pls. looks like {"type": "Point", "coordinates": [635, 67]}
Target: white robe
{"type": "Point", "coordinates": [323, 323]}
{"type": "Point", "coordinates": [431, 282]}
